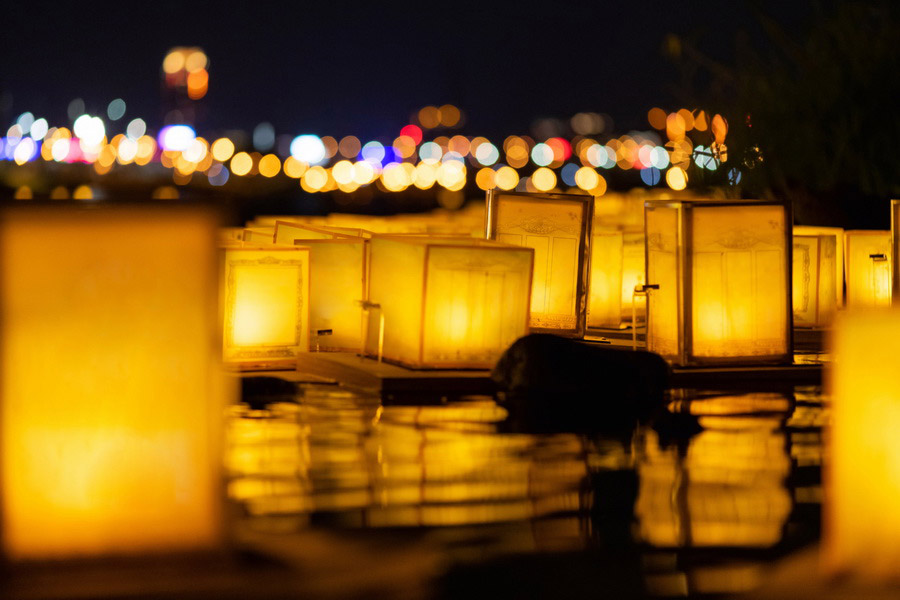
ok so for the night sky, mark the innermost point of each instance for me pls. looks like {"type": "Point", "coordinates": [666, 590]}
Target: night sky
{"type": "Point", "coordinates": [340, 68]}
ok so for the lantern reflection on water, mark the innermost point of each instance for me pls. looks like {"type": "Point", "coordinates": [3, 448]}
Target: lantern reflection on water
{"type": "Point", "coordinates": [558, 228]}
{"type": "Point", "coordinates": [446, 302]}
{"type": "Point", "coordinates": [867, 260]}
{"type": "Point", "coordinates": [111, 395]}
{"type": "Point", "coordinates": [266, 304]}
{"type": "Point", "coordinates": [723, 281]}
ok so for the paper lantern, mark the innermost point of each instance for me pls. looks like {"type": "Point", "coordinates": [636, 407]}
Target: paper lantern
{"type": "Point", "coordinates": [814, 290]}
{"type": "Point", "coordinates": [337, 275]}
{"type": "Point", "coordinates": [286, 233]}
{"type": "Point", "coordinates": [558, 228]}
{"type": "Point", "coordinates": [447, 303]}
{"type": "Point", "coordinates": [861, 527]}
{"type": "Point", "coordinates": [111, 397]}
{"type": "Point", "coordinates": [723, 276]}
{"type": "Point", "coordinates": [868, 263]}
{"type": "Point", "coordinates": [617, 261]}
{"type": "Point", "coordinates": [266, 304]}
{"type": "Point", "coordinates": [838, 234]}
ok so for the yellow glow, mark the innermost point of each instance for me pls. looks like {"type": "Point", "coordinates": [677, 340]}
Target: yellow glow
{"type": "Point", "coordinates": [587, 178]}
{"type": "Point", "coordinates": [59, 193]}
{"type": "Point", "coordinates": [449, 302]}
{"type": "Point", "coordinates": [337, 285]}
{"type": "Point", "coordinates": [294, 168]}
{"type": "Point", "coordinates": [544, 179]}
{"type": "Point", "coordinates": [363, 173]}
{"type": "Point", "coordinates": [868, 265]}
{"type": "Point", "coordinates": [429, 117]}
{"type": "Point", "coordinates": [23, 192]}
{"type": "Point", "coordinates": [222, 149]}
{"type": "Point", "coordinates": [111, 424]}
{"type": "Point", "coordinates": [484, 179]}
{"type": "Point", "coordinates": [269, 165]}
{"type": "Point", "coordinates": [83, 192]}
{"type": "Point", "coordinates": [450, 115]}
{"type": "Point", "coordinates": [316, 178]}
{"type": "Point", "coordinates": [676, 178]}
{"type": "Point", "coordinates": [241, 163]}
{"type": "Point", "coordinates": [165, 192]}
{"type": "Point", "coordinates": [861, 524]}
{"type": "Point", "coordinates": [173, 62]}
{"type": "Point", "coordinates": [838, 234]}
{"type": "Point", "coordinates": [196, 61]}
{"type": "Point", "coordinates": [506, 178]}
{"type": "Point", "coordinates": [266, 303]}
{"type": "Point", "coordinates": [426, 176]}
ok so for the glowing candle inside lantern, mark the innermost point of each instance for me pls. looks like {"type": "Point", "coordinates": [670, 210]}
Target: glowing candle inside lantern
{"type": "Point", "coordinates": [110, 394]}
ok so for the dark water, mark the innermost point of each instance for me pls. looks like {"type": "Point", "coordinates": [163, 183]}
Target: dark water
{"type": "Point", "coordinates": [435, 502]}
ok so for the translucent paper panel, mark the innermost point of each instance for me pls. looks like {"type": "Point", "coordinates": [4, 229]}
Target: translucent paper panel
{"type": "Point", "coordinates": [286, 233]}
{"type": "Point", "coordinates": [605, 301]}
{"type": "Point", "coordinates": [739, 279]}
{"type": "Point", "coordinates": [838, 235]}
{"type": "Point", "coordinates": [633, 265]}
{"type": "Point", "coordinates": [868, 264]}
{"type": "Point", "coordinates": [337, 285]}
{"type": "Point", "coordinates": [110, 397]}
{"type": "Point", "coordinates": [266, 303]}
{"type": "Point", "coordinates": [663, 336]}
{"type": "Point", "coordinates": [553, 228]}
{"type": "Point", "coordinates": [476, 303]}
{"type": "Point", "coordinates": [814, 295]}
{"type": "Point", "coordinates": [396, 282]}
{"type": "Point", "coordinates": [259, 236]}
{"type": "Point", "coordinates": [862, 525]}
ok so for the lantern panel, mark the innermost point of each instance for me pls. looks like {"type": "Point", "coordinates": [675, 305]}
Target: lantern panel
{"type": "Point", "coordinates": [259, 236]}
{"type": "Point", "coordinates": [663, 269]}
{"type": "Point", "coordinates": [868, 265]}
{"type": "Point", "coordinates": [266, 304]}
{"type": "Point", "coordinates": [447, 303]}
{"type": "Point", "coordinates": [286, 233]}
{"type": "Point", "coordinates": [476, 303]}
{"type": "Point", "coordinates": [862, 525]}
{"type": "Point", "coordinates": [557, 228]}
{"type": "Point", "coordinates": [337, 286]}
{"type": "Point", "coordinates": [814, 295]}
{"type": "Point", "coordinates": [606, 299]}
{"type": "Point", "coordinates": [110, 397]}
{"type": "Point", "coordinates": [838, 235]}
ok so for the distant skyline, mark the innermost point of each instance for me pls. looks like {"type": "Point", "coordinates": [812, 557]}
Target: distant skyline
{"type": "Point", "coordinates": [331, 69]}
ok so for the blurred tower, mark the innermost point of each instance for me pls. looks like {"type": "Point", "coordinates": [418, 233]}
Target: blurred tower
{"type": "Point", "coordinates": [185, 81]}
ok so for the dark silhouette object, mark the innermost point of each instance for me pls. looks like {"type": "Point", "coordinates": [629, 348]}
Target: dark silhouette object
{"type": "Point", "coordinates": [260, 392]}
{"type": "Point", "coordinates": [552, 384]}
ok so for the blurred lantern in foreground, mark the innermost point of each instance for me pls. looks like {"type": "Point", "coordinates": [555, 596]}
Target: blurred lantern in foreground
{"type": "Point", "coordinates": [868, 264]}
{"type": "Point", "coordinates": [861, 528]}
{"type": "Point", "coordinates": [814, 295]}
{"type": "Point", "coordinates": [838, 234]}
{"type": "Point", "coordinates": [266, 303]}
{"type": "Point", "coordinates": [617, 260]}
{"type": "Point", "coordinates": [112, 396]}
{"type": "Point", "coordinates": [337, 287]}
{"type": "Point", "coordinates": [450, 303]}
{"type": "Point", "coordinates": [723, 276]}
{"type": "Point", "coordinates": [558, 228]}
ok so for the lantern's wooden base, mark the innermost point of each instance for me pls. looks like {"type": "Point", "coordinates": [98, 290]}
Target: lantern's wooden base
{"type": "Point", "coordinates": [809, 339]}
{"type": "Point", "coordinates": [392, 383]}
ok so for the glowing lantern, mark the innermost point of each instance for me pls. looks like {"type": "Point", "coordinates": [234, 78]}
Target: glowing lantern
{"type": "Point", "coordinates": [111, 399]}
{"type": "Point", "coordinates": [838, 234]}
{"type": "Point", "coordinates": [259, 236]}
{"type": "Point", "coordinates": [723, 277]}
{"type": "Point", "coordinates": [868, 264]}
{"type": "Point", "coordinates": [446, 303]}
{"type": "Point", "coordinates": [861, 526]}
{"type": "Point", "coordinates": [266, 303]}
{"type": "Point", "coordinates": [617, 260]}
{"type": "Point", "coordinates": [337, 285]}
{"type": "Point", "coordinates": [286, 233]}
{"type": "Point", "coordinates": [558, 228]}
{"type": "Point", "coordinates": [814, 295]}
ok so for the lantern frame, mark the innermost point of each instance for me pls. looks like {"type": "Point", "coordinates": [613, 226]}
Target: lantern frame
{"type": "Point", "coordinates": [895, 250]}
{"type": "Point", "coordinates": [684, 232]}
{"type": "Point", "coordinates": [583, 204]}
